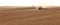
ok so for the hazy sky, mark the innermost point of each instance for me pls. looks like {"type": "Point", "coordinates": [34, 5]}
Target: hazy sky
{"type": "Point", "coordinates": [29, 2]}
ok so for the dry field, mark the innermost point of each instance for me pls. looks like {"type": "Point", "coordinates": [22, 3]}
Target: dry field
{"type": "Point", "coordinates": [7, 8]}
{"type": "Point", "coordinates": [34, 17]}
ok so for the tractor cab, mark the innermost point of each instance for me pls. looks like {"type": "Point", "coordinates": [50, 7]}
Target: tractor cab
{"type": "Point", "coordinates": [40, 8]}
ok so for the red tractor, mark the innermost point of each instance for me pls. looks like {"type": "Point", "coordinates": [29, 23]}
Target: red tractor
{"type": "Point", "coordinates": [40, 8]}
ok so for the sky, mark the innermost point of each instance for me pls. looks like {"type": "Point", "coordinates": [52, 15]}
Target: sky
{"type": "Point", "coordinates": [29, 2]}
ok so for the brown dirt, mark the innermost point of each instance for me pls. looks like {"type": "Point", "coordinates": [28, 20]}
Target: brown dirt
{"type": "Point", "coordinates": [17, 8]}
{"type": "Point", "coordinates": [42, 17]}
